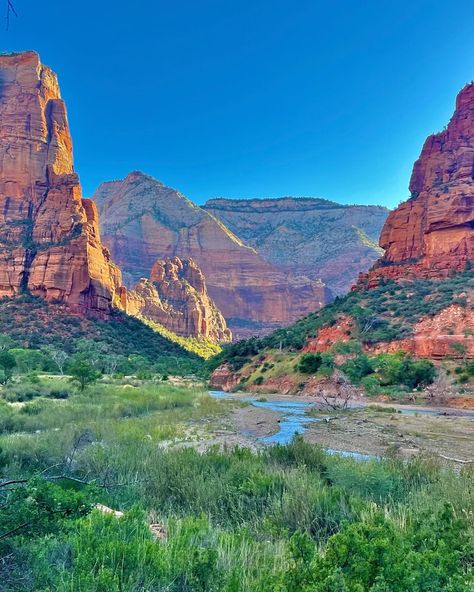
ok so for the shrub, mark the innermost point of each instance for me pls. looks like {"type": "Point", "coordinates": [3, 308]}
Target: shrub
{"type": "Point", "coordinates": [7, 364]}
{"type": "Point", "coordinates": [309, 363]}
{"type": "Point", "coordinates": [358, 367]}
{"type": "Point", "coordinates": [371, 385]}
{"type": "Point", "coordinates": [83, 373]}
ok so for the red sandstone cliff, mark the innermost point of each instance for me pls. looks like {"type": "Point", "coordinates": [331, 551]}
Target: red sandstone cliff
{"type": "Point", "coordinates": [49, 236]}
{"type": "Point", "coordinates": [176, 297]}
{"type": "Point", "coordinates": [307, 237]}
{"type": "Point", "coordinates": [143, 220]}
{"type": "Point", "coordinates": [432, 233]}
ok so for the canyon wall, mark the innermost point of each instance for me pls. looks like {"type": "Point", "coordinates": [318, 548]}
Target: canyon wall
{"type": "Point", "coordinates": [432, 234]}
{"type": "Point", "coordinates": [50, 243]}
{"type": "Point", "coordinates": [49, 236]}
{"type": "Point", "coordinates": [304, 236]}
{"type": "Point", "coordinates": [143, 220]}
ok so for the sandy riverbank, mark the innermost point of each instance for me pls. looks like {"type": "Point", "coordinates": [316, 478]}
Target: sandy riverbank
{"type": "Point", "coordinates": [404, 430]}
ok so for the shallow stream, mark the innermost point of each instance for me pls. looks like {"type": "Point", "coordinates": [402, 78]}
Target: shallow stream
{"type": "Point", "coordinates": [294, 419]}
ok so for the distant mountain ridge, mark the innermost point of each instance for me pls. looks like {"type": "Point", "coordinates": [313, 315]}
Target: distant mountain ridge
{"type": "Point", "coordinates": [142, 220]}
{"type": "Point", "coordinates": [314, 237]}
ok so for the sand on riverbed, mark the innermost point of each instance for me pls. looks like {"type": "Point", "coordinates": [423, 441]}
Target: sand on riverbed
{"type": "Point", "coordinates": [375, 430]}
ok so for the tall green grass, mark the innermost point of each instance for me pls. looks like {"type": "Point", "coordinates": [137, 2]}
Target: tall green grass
{"type": "Point", "coordinates": [290, 518]}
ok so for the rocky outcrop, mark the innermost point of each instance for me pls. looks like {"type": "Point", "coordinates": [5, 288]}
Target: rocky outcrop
{"type": "Point", "coordinates": [432, 234]}
{"type": "Point", "coordinates": [143, 220]}
{"type": "Point", "coordinates": [49, 236]}
{"type": "Point", "coordinates": [447, 334]}
{"type": "Point", "coordinates": [339, 332]}
{"type": "Point", "coordinates": [309, 237]}
{"type": "Point", "coordinates": [176, 297]}
{"type": "Point", "coordinates": [224, 378]}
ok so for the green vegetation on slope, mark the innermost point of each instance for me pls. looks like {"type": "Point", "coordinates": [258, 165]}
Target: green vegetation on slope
{"type": "Point", "coordinates": [288, 519]}
{"type": "Point", "coordinates": [385, 313]}
{"type": "Point", "coordinates": [123, 344]}
{"type": "Point", "coordinates": [367, 241]}
{"type": "Point", "coordinates": [202, 347]}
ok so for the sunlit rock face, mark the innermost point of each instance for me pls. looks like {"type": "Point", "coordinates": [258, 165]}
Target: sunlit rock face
{"type": "Point", "coordinates": [432, 234]}
{"type": "Point", "coordinates": [307, 237]}
{"type": "Point", "coordinates": [142, 220]}
{"type": "Point", "coordinates": [176, 297]}
{"type": "Point", "coordinates": [49, 236]}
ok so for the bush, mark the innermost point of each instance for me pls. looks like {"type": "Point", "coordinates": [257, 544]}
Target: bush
{"type": "Point", "coordinates": [355, 369]}
{"type": "Point", "coordinates": [416, 373]}
{"type": "Point", "coordinates": [371, 385]}
{"type": "Point", "coordinates": [309, 363]}
{"type": "Point", "coordinates": [83, 373]}
{"type": "Point", "coordinates": [7, 364]}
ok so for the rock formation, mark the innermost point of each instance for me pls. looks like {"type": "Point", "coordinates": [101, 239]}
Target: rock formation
{"type": "Point", "coordinates": [447, 334]}
{"type": "Point", "coordinates": [310, 237]}
{"type": "Point", "coordinates": [432, 234]}
{"type": "Point", "coordinates": [49, 236]}
{"type": "Point", "coordinates": [176, 297]}
{"type": "Point", "coordinates": [224, 378]}
{"type": "Point", "coordinates": [143, 220]}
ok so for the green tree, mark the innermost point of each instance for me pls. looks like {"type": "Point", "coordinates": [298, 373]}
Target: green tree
{"type": "Point", "coordinates": [6, 342]}
{"type": "Point", "coordinates": [28, 360]}
{"type": "Point", "coordinates": [83, 373]}
{"type": "Point", "coordinates": [310, 363]}
{"type": "Point", "coordinates": [416, 373]}
{"type": "Point", "coordinates": [7, 364]}
{"type": "Point", "coordinates": [58, 356]}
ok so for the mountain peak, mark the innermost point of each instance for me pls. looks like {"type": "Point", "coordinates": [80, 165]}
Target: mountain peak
{"type": "Point", "coordinates": [432, 233]}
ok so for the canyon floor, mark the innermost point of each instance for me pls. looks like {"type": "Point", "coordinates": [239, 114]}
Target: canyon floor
{"type": "Point", "coordinates": [374, 429]}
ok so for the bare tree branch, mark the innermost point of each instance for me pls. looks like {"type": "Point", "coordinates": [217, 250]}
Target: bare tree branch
{"type": "Point", "coordinates": [13, 482]}
{"type": "Point", "coordinates": [10, 10]}
{"type": "Point", "coordinates": [340, 395]}
{"type": "Point", "coordinates": [10, 532]}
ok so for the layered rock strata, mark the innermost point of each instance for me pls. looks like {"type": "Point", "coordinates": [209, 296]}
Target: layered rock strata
{"type": "Point", "coordinates": [432, 234]}
{"type": "Point", "coordinates": [305, 236]}
{"type": "Point", "coordinates": [49, 236]}
{"type": "Point", "coordinates": [176, 297]}
{"type": "Point", "coordinates": [143, 220]}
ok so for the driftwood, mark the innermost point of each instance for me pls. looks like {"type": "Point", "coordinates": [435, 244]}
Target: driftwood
{"type": "Point", "coordinates": [106, 510]}
{"type": "Point", "coordinates": [457, 460]}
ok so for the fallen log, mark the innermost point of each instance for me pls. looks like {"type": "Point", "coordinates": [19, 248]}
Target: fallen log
{"type": "Point", "coordinates": [457, 460]}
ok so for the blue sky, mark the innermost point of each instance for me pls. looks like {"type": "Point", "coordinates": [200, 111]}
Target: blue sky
{"type": "Point", "coordinates": [253, 98]}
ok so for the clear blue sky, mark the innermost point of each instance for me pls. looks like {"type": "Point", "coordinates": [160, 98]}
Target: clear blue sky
{"type": "Point", "coordinates": [246, 98]}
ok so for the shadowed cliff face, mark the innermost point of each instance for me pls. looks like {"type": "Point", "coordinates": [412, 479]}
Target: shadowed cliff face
{"type": "Point", "coordinates": [143, 220]}
{"type": "Point", "coordinates": [309, 237]}
{"type": "Point", "coordinates": [432, 234]}
{"type": "Point", "coordinates": [176, 297]}
{"type": "Point", "coordinates": [50, 242]}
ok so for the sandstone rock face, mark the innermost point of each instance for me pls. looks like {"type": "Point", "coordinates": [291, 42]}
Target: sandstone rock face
{"type": "Point", "coordinates": [49, 237]}
{"type": "Point", "coordinates": [224, 378]}
{"type": "Point", "coordinates": [450, 333]}
{"type": "Point", "coordinates": [328, 336]}
{"type": "Point", "coordinates": [432, 233]}
{"type": "Point", "coordinates": [176, 297]}
{"type": "Point", "coordinates": [142, 221]}
{"type": "Point", "coordinates": [308, 237]}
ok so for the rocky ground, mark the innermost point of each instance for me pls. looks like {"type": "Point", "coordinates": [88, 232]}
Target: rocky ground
{"type": "Point", "coordinates": [376, 429]}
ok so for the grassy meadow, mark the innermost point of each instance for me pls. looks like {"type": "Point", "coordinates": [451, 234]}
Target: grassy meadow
{"type": "Point", "coordinates": [289, 518]}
